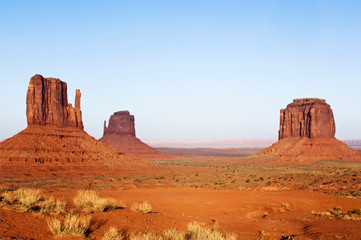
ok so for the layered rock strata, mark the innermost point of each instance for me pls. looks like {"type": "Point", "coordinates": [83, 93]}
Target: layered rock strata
{"type": "Point", "coordinates": [307, 134]}
{"type": "Point", "coordinates": [120, 134]}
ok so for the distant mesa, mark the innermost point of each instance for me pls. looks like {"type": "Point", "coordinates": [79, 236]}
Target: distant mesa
{"type": "Point", "coordinates": [120, 123]}
{"type": "Point", "coordinates": [307, 134]}
{"type": "Point", "coordinates": [54, 139]}
{"type": "Point", "coordinates": [120, 134]}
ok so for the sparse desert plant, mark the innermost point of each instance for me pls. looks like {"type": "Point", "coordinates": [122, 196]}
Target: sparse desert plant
{"type": "Point", "coordinates": [9, 197]}
{"type": "Point", "coordinates": [73, 225]}
{"type": "Point", "coordinates": [54, 225]}
{"type": "Point", "coordinates": [144, 207]}
{"type": "Point", "coordinates": [173, 234]}
{"type": "Point", "coordinates": [89, 201]}
{"type": "Point", "coordinates": [77, 225]}
{"type": "Point", "coordinates": [146, 236]}
{"type": "Point", "coordinates": [60, 206]}
{"type": "Point", "coordinates": [113, 234]}
{"type": "Point", "coordinates": [47, 205]}
{"type": "Point", "coordinates": [284, 207]}
{"type": "Point", "coordinates": [28, 198]}
{"type": "Point", "coordinates": [197, 231]}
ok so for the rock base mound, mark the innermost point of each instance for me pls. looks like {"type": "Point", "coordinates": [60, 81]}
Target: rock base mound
{"type": "Point", "coordinates": [302, 150]}
{"type": "Point", "coordinates": [51, 147]}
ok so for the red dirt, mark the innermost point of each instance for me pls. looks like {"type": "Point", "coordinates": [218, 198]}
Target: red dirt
{"type": "Point", "coordinates": [240, 212]}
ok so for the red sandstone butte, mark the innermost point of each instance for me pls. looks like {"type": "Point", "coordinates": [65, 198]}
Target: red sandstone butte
{"type": "Point", "coordinates": [307, 117]}
{"type": "Point", "coordinates": [120, 134]}
{"type": "Point", "coordinates": [307, 134]}
{"type": "Point", "coordinates": [47, 104]}
{"type": "Point", "coordinates": [54, 142]}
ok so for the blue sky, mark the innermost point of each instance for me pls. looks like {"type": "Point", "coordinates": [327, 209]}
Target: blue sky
{"type": "Point", "coordinates": [185, 69]}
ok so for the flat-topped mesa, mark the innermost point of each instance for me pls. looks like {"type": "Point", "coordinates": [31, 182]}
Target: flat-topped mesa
{"type": "Point", "coordinates": [47, 104]}
{"type": "Point", "coordinates": [307, 117]}
{"type": "Point", "coordinates": [121, 123]}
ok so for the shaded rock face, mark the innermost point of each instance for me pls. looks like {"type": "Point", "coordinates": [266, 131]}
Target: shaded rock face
{"type": "Point", "coordinates": [307, 117]}
{"type": "Point", "coordinates": [121, 123]}
{"type": "Point", "coordinates": [47, 104]}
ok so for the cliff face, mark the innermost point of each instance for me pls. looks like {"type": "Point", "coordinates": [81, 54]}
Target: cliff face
{"type": "Point", "coordinates": [307, 117]}
{"type": "Point", "coordinates": [47, 104]}
{"type": "Point", "coordinates": [120, 134]}
{"type": "Point", "coordinates": [121, 123]}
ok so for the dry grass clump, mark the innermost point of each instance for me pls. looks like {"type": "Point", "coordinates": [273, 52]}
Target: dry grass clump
{"type": "Point", "coordinates": [173, 234]}
{"type": "Point", "coordinates": [197, 231]}
{"type": "Point", "coordinates": [113, 234]}
{"type": "Point", "coordinates": [89, 200]}
{"type": "Point", "coordinates": [144, 207]}
{"type": "Point", "coordinates": [147, 236]}
{"type": "Point", "coordinates": [73, 225]}
{"type": "Point", "coordinates": [28, 198]}
{"type": "Point", "coordinates": [60, 206]}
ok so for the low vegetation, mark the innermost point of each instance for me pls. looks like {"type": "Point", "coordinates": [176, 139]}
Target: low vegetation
{"type": "Point", "coordinates": [31, 200]}
{"type": "Point", "coordinates": [195, 231]}
{"type": "Point", "coordinates": [144, 207]}
{"type": "Point", "coordinates": [113, 234]}
{"type": "Point", "coordinates": [354, 214]}
{"type": "Point", "coordinates": [89, 200]}
{"type": "Point", "coordinates": [76, 225]}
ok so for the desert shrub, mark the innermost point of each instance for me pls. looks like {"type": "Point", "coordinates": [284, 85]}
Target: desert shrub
{"type": "Point", "coordinates": [77, 225]}
{"type": "Point", "coordinates": [113, 234]}
{"type": "Point", "coordinates": [60, 206]}
{"type": "Point", "coordinates": [28, 198]}
{"type": "Point", "coordinates": [146, 236]}
{"type": "Point", "coordinates": [73, 225]}
{"type": "Point", "coordinates": [89, 200]}
{"type": "Point", "coordinates": [196, 231]}
{"type": "Point", "coordinates": [55, 226]}
{"type": "Point", "coordinates": [144, 207]}
{"type": "Point", "coordinates": [173, 234]}
{"type": "Point", "coordinates": [47, 205]}
{"type": "Point", "coordinates": [9, 197]}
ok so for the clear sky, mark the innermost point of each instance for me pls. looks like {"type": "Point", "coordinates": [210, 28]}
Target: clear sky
{"type": "Point", "coordinates": [185, 69]}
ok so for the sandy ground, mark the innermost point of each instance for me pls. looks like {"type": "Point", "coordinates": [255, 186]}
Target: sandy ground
{"type": "Point", "coordinates": [249, 214]}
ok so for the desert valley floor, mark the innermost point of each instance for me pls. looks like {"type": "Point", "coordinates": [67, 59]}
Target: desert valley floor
{"type": "Point", "coordinates": [235, 194]}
